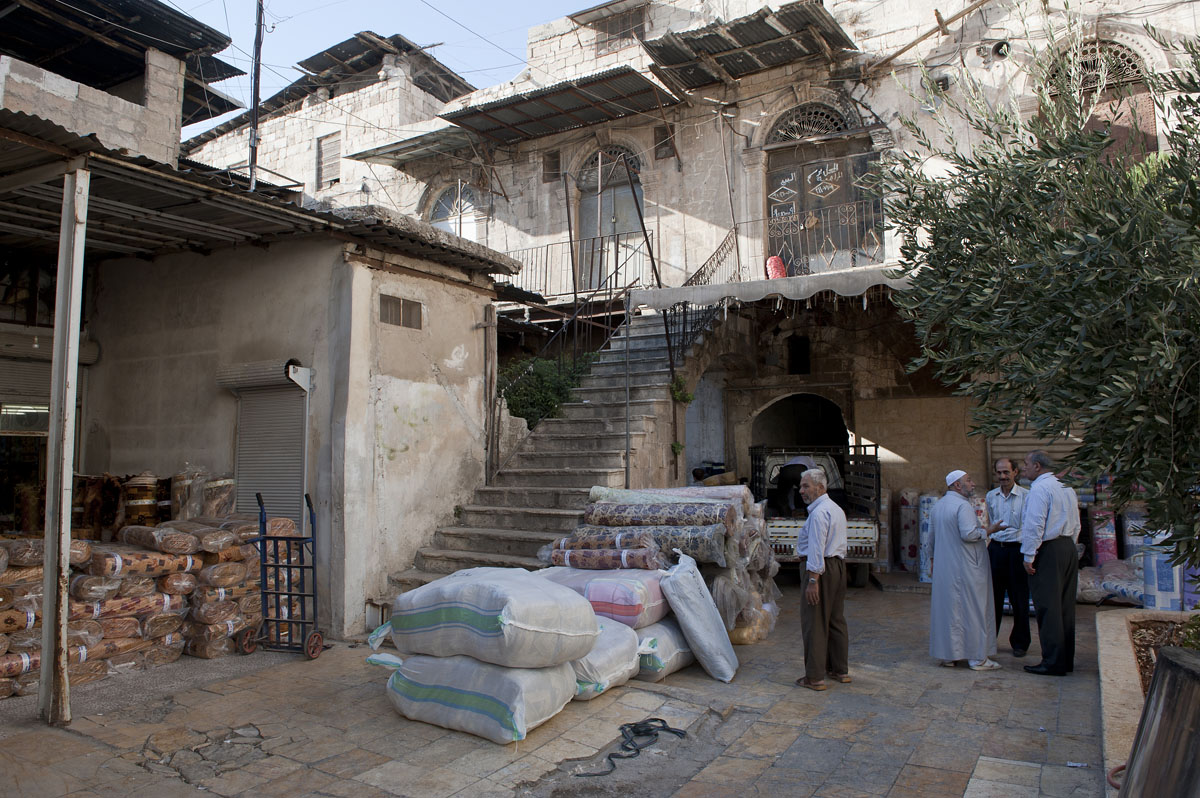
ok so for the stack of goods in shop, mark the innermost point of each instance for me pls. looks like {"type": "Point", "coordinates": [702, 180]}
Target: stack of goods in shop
{"type": "Point", "coordinates": [154, 593]}
{"type": "Point", "coordinates": [721, 528]}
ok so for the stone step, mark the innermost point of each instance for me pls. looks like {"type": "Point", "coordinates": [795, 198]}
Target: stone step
{"type": "Point", "coordinates": [539, 519]}
{"type": "Point", "coordinates": [447, 561]}
{"type": "Point", "coordinates": [583, 442]}
{"type": "Point", "coordinates": [560, 477]}
{"type": "Point", "coordinates": [614, 363]}
{"type": "Point", "coordinates": [636, 378]}
{"type": "Point", "coordinates": [637, 341]}
{"type": "Point", "coordinates": [613, 411]}
{"type": "Point", "coordinates": [411, 579]}
{"type": "Point", "coordinates": [593, 426]}
{"type": "Point", "coordinates": [561, 498]}
{"type": "Point", "coordinates": [517, 542]}
{"type": "Point", "coordinates": [606, 458]}
{"type": "Point", "coordinates": [614, 394]}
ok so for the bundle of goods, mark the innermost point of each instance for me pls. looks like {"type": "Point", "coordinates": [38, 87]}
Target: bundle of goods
{"type": "Point", "coordinates": [720, 527]}
{"type": "Point", "coordinates": [141, 601]}
{"type": "Point", "coordinates": [488, 651]}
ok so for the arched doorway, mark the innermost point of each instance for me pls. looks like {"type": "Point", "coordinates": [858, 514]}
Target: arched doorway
{"type": "Point", "coordinates": [610, 234]}
{"type": "Point", "coordinates": [799, 424]}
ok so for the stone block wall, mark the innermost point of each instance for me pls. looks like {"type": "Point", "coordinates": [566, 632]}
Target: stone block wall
{"type": "Point", "coordinates": [149, 128]}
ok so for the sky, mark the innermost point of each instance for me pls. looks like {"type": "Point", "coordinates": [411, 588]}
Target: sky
{"type": "Point", "coordinates": [481, 40]}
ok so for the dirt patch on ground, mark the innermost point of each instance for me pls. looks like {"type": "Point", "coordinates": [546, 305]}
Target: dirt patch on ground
{"type": "Point", "coordinates": [1151, 635]}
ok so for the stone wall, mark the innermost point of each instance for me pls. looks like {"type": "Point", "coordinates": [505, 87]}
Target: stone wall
{"type": "Point", "coordinates": [141, 118]}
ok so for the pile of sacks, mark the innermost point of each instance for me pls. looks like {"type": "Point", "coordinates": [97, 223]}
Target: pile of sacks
{"type": "Point", "coordinates": [159, 592]}
{"type": "Point", "coordinates": [720, 527]}
{"type": "Point", "coordinates": [497, 651]}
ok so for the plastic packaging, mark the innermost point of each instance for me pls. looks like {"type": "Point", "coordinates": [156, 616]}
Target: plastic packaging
{"type": "Point", "coordinates": [661, 514]}
{"type": "Point", "coordinates": [24, 552]}
{"type": "Point", "coordinates": [209, 649]}
{"type": "Point", "coordinates": [115, 560]}
{"type": "Point", "coordinates": [13, 621]}
{"type": "Point", "coordinates": [599, 537]}
{"type": "Point", "coordinates": [93, 588]}
{"type": "Point", "coordinates": [604, 559]}
{"type": "Point", "coordinates": [137, 586]}
{"type": "Point", "coordinates": [120, 627]}
{"type": "Point", "coordinates": [165, 650]}
{"type": "Point", "coordinates": [494, 702]}
{"type": "Point", "coordinates": [505, 616]}
{"type": "Point", "coordinates": [158, 624]}
{"type": "Point", "coordinates": [225, 574]}
{"type": "Point", "coordinates": [698, 617]}
{"type": "Point", "coordinates": [20, 576]}
{"type": "Point", "coordinates": [3, 644]}
{"type": "Point", "coordinates": [218, 496]}
{"type": "Point", "coordinates": [79, 633]}
{"type": "Point", "coordinates": [3, 560]}
{"type": "Point", "coordinates": [631, 597]}
{"type": "Point", "coordinates": [213, 631]}
{"type": "Point", "coordinates": [662, 650]}
{"type": "Point", "coordinates": [611, 662]}
{"type": "Point", "coordinates": [165, 539]}
{"type": "Point", "coordinates": [177, 584]}
{"type": "Point", "coordinates": [213, 612]}
{"type": "Point", "coordinates": [217, 540]}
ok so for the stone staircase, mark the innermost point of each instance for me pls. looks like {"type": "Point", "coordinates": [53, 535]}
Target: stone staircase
{"type": "Point", "coordinates": [540, 493]}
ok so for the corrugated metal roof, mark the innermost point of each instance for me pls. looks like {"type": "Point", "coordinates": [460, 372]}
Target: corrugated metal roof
{"type": "Point", "coordinates": [359, 55]}
{"type": "Point", "coordinates": [765, 39]}
{"type": "Point", "coordinates": [140, 208]}
{"type": "Point", "coordinates": [444, 140]}
{"type": "Point", "coordinates": [579, 102]}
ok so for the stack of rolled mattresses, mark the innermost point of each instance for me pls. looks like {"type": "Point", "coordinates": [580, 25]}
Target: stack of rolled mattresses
{"type": "Point", "coordinates": [134, 603]}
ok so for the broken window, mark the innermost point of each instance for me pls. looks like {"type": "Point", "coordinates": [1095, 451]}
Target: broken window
{"type": "Point", "coordinates": [329, 160]}
{"type": "Point", "coordinates": [551, 166]}
{"type": "Point", "coordinates": [620, 30]}
{"type": "Point", "coordinates": [664, 145]}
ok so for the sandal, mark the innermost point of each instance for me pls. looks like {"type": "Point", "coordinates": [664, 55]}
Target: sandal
{"type": "Point", "coordinates": [818, 686]}
{"type": "Point", "coordinates": [842, 678]}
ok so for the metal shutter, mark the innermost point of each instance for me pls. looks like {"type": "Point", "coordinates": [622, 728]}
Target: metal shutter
{"type": "Point", "coordinates": [1020, 443]}
{"type": "Point", "coordinates": [329, 160]}
{"type": "Point", "coordinates": [271, 452]}
{"type": "Point", "coordinates": [25, 381]}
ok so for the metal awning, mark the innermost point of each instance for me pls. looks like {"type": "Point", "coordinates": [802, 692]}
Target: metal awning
{"type": "Point", "coordinates": [579, 102]}
{"type": "Point", "coordinates": [604, 10]}
{"type": "Point", "coordinates": [444, 139]}
{"type": "Point", "coordinates": [141, 208]}
{"type": "Point", "coordinates": [848, 282]}
{"type": "Point", "coordinates": [726, 51]}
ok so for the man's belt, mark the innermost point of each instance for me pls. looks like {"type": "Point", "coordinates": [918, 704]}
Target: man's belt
{"type": "Point", "coordinates": [1008, 543]}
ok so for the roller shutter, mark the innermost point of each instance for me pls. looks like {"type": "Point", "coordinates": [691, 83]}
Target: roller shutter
{"type": "Point", "coordinates": [1020, 443]}
{"type": "Point", "coordinates": [25, 381]}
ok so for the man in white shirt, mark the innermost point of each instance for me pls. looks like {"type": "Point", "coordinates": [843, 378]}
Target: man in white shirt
{"type": "Point", "coordinates": [1048, 549]}
{"type": "Point", "coordinates": [1004, 506]}
{"type": "Point", "coordinates": [822, 544]}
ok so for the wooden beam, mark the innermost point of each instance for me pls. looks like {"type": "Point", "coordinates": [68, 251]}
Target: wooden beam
{"type": "Point", "coordinates": [75, 26]}
{"type": "Point", "coordinates": [812, 31]}
{"type": "Point", "coordinates": [395, 268]}
{"type": "Point", "coordinates": [672, 84]}
{"type": "Point", "coordinates": [35, 143]}
{"type": "Point", "coordinates": [941, 23]}
{"type": "Point", "coordinates": [36, 175]}
{"type": "Point", "coordinates": [936, 29]}
{"type": "Point", "coordinates": [718, 71]}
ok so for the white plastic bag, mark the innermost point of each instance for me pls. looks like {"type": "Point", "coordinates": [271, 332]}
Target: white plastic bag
{"type": "Point", "coordinates": [698, 617]}
{"type": "Point", "coordinates": [662, 650]}
{"type": "Point", "coordinates": [611, 662]}
{"type": "Point", "coordinates": [499, 704]}
{"type": "Point", "coordinates": [505, 616]}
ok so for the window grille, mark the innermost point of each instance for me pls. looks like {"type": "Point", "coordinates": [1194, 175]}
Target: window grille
{"type": "Point", "coordinates": [551, 166]}
{"type": "Point", "coordinates": [663, 144]}
{"type": "Point", "coordinates": [329, 160]}
{"type": "Point", "coordinates": [454, 211]}
{"type": "Point", "coordinates": [1097, 60]}
{"type": "Point", "coordinates": [400, 312]}
{"type": "Point", "coordinates": [806, 121]}
{"type": "Point", "coordinates": [620, 30]}
{"type": "Point", "coordinates": [610, 158]}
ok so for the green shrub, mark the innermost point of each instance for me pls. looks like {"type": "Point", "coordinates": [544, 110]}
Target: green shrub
{"type": "Point", "coordinates": [535, 387]}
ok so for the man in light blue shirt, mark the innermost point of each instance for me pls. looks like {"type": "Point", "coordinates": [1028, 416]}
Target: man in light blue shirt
{"type": "Point", "coordinates": [822, 544]}
{"type": "Point", "coordinates": [1004, 505]}
{"type": "Point", "coordinates": [1048, 549]}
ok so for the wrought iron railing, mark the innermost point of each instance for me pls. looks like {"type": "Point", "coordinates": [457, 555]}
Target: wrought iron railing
{"type": "Point", "coordinates": [723, 266]}
{"type": "Point", "coordinates": [826, 239]}
{"type": "Point", "coordinates": [577, 268]}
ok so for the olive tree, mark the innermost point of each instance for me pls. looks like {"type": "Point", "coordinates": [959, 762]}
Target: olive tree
{"type": "Point", "coordinates": [1054, 280]}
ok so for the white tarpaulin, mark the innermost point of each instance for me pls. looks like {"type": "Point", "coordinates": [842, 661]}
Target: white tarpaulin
{"type": "Point", "coordinates": [848, 282]}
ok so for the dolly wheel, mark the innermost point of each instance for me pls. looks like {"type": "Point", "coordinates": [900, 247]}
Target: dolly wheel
{"type": "Point", "coordinates": [247, 643]}
{"type": "Point", "coordinates": [313, 645]}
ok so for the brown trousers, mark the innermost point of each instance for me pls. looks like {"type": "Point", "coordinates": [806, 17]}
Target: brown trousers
{"type": "Point", "coordinates": [826, 637]}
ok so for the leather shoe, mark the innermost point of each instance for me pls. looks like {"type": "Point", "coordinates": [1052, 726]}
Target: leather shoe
{"type": "Point", "coordinates": [1019, 652]}
{"type": "Point", "coordinates": [1042, 670]}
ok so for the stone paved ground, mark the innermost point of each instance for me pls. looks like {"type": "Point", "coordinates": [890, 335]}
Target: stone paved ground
{"type": "Point", "coordinates": [904, 727]}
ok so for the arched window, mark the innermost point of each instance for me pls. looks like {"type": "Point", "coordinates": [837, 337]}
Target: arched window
{"type": "Point", "coordinates": [1097, 60]}
{"type": "Point", "coordinates": [806, 121]}
{"type": "Point", "coordinates": [454, 211]}
{"type": "Point", "coordinates": [612, 248]}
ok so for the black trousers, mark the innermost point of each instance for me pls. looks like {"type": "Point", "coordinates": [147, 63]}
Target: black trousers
{"type": "Point", "coordinates": [1053, 586]}
{"type": "Point", "coordinates": [1008, 576]}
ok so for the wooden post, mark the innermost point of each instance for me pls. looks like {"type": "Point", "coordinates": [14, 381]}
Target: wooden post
{"type": "Point", "coordinates": [54, 695]}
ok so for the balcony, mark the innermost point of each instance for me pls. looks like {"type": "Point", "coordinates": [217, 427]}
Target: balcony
{"type": "Point", "coordinates": [564, 268]}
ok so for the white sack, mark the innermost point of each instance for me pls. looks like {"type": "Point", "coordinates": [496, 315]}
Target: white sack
{"type": "Point", "coordinates": [496, 703]}
{"type": "Point", "coordinates": [506, 616]}
{"type": "Point", "coordinates": [698, 617]}
{"type": "Point", "coordinates": [662, 650]}
{"type": "Point", "coordinates": [611, 662]}
{"type": "Point", "coordinates": [631, 596]}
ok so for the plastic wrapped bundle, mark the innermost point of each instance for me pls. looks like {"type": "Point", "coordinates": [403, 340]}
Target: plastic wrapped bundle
{"type": "Point", "coordinates": [137, 586]}
{"type": "Point", "coordinates": [630, 597]}
{"type": "Point", "coordinates": [753, 626]}
{"type": "Point", "coordinates": [159, 624]}
{"type": "Point", "coordinates": [24, 552]}
{"type": "Point", "coordinates": [245, 532]}
{"type": "Point", "coordinates": [225, 574]}
{"type": "Point", "coordinates": [3, 560]}
{"type": "Point", "coordinates": [21, 576]}
{"type": "Point", "coordinates": [218, 540]}
{"type": "Point", "coordinates": [120, 607]}
{"type": "Point", "coordinates": [611, 662]}
{"type": "Point", "coordinates": [213, 631]}
{"type": "Point", "coordinates": [250, 606]}
{"type": "Point", "coordinates": [239, 552]}
{"type": "Point", "coordinates": [910, 532]}
{"type": "Point", "coordinates": [204, 593]}
{"type": "Point", "coordinates": [3, 644]}
{"type": "Point", "coordinates": [506, 616]}
{"type": "Point", "coordinates": [8, 687]}
{"type": "Point", "coordinates": [925, 528]}
{"type": "Point", "coordinates": [79, 633]}
{"type": "Point", "coordinates": [701, 543]}
{"type": "Point", "coordinates": [177, 584]}
{"type": "Point", "coordinates": [698, 617]}
{"type": "Point", "coordinates": [93, 588]}
{"type": "Point", "coordinates": [662, 650]}
{"type": "Point", "coordinates": [165, 650]}
{"type": "Point", "coordinates": [165, 539]}
{"type": "Point", "coordinates": [209, 649]}
{"type": "Point", "coordinates": [605, 559]}
{"type": "Point", "coordinates": [213, 612]}
{"type": "Point", "coordinates": [731, 493]}
{"type": "Point", "coordinates": [661, 514]}
{"type": "Point", "coordinates": [12, 621]}
{"type": "Point", "coordinates": [218, 497]}
{"type": "Point", "coordinates": [600, 537]}
{"type": "Point", "coordinates": [124, 663]}
{"type": "Point", "coordinates": [602, 494]}
{"type": "Point", "coordinates": [497, 703]}
{"type": "Point", "coordinates": [114, 560]}
{"type": "Point", "coordinates": [120, 627]}
{"type": "Point", "coordinates": [730, 595]}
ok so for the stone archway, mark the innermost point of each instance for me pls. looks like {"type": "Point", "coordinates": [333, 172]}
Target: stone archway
{"type": "Point", "coordinates": [800, 420]}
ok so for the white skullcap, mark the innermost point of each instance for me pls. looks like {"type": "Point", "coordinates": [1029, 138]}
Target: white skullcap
{"type": "Point", "coordinates": [954, 476]}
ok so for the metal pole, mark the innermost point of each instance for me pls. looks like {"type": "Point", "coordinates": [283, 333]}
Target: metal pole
{"type": "Point", "coordinates": [628, 329]}
{"type": "Point", "coordinates": [571, 242]}
{"type": "Point", "coordinates": [637, 206]}
{"type": "Point", "coordinates": [54, 692]}
{"type": "Point", "coordinates": [256, 72]}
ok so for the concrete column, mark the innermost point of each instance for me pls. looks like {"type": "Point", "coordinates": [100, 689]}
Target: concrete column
{"type": "Point", "coordinates": [163, 100]}
{"type": "Point", "coordinates": [751, 235]}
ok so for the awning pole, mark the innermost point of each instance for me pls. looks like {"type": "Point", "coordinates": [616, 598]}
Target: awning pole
{"type": "Point", "coordinates": [54, 695]}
